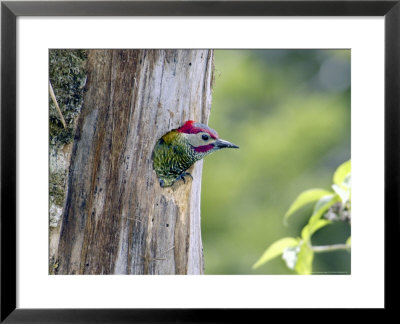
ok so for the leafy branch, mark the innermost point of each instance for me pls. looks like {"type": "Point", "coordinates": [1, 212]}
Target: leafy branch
{"type": "Point", "coordinates": [330, 205]}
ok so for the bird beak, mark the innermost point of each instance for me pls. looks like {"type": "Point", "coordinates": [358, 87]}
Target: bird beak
{"type": "Point", "coordinates": [220, 143]}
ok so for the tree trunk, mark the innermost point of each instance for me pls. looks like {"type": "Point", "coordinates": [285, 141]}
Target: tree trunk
{"type": "Point", "coordinates": [117, 219]}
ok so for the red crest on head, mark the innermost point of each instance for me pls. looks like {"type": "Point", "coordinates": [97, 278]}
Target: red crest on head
{"type": "Point", "coordinates": [192, 127]}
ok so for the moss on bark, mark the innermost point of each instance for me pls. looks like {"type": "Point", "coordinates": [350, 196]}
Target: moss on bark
{"type": "Point", "coordinates": [67, 75]}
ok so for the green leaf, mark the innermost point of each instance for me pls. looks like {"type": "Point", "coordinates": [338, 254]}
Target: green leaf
{"type": "Point", "coordinates": [275, 249]}
{"type": "Point", "coordinates": [305, 198]}
{"type": "Point", "coordinates": [304, 259]}
{"type": "Point", "coordinates": [342, 172]}
{"type": "Point", "coordinates": [347, 181]}
{"type": "Point", "coordinates": [348, 241]}
{"type": "Point", "coordinates": [322, 206]}
{"type": "Point", "coordinates": [342, 191]}
{"type": "Point", "coordinates": [311, 228]}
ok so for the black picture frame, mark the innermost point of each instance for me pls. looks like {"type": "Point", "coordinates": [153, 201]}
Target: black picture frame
{"type": "Point", "coordinates": [10, 10]}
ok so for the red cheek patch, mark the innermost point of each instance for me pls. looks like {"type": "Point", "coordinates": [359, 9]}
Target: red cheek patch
{"type": "Point", "coordinates": [204, 148]}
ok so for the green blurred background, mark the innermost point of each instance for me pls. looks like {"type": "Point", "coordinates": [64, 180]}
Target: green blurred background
{"type": "Point", "coordinates": [289, 111]}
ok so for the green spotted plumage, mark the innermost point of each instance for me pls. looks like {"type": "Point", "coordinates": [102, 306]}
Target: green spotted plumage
{"type": "Point", "coordinates": [177, 150]}
{"type": "Point", "coordinates": [171, 157]}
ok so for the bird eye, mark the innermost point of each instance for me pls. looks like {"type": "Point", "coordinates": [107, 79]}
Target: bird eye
{"type": "Point", "coordinates": [204, 137]}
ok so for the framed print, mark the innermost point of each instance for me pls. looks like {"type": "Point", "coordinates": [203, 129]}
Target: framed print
{"type": "Point", "coordinates": [107, 111]}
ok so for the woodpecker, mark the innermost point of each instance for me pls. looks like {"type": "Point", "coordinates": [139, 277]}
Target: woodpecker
{"type": "Point", "coordinates": [177, 150]}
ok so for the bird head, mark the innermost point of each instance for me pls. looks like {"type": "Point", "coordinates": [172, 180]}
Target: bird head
{"type": "Point", "coordinates": [178, 149]}
{"type": "Point", "coordinates": [202, 139]}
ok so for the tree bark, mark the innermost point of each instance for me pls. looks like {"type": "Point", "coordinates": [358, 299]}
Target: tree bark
{"type": "Point", "coordinates": [117, 219]}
